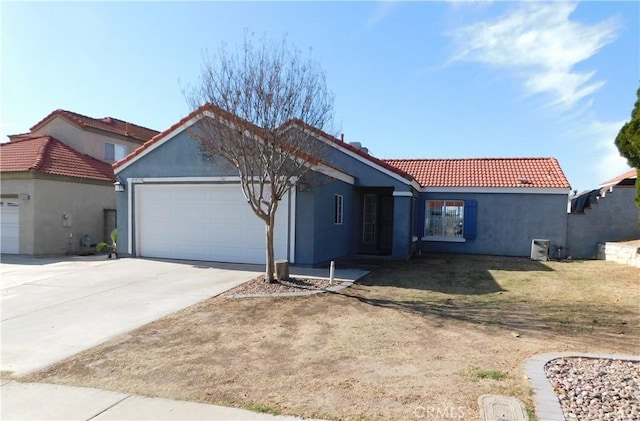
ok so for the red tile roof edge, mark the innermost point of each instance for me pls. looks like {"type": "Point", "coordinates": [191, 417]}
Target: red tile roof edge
{"type": "Point", "coordinates": [563, 179]}
{"type": "Point", "coordinates": [632, 173]}
{"type": "Point", "coordinates": [146, 145]}
{"type": "Point", "coordinates": [42, 156]}
{"type": "Point", "coordinates": [207, 107]}
{"type": "Point", "coordinates": [81, 121]}
{"type": "Point", "coordinates": [351, 148]}
{"type": "Point", "coordinates": [486, 158]}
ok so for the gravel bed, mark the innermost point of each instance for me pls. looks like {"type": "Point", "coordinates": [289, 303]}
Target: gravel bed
{"type": "Point", "coordinates": [259, 286]}
{"type": "Point", "coordinates": [596, 388]}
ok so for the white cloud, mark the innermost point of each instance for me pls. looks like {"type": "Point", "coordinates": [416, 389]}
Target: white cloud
{"type": "Point", "coordinates": [611, 163]}
{"type": "Point", "coordinates": [470, 3]}
{"type": "Point", "coordinates": [542, 45]}
{"type": "Point", "coordinates": [380, 13]}
{"type": "Point", "coordinates": [598, 139]}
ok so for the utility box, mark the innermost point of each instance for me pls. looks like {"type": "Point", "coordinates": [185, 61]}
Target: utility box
{"type": "Point", "coordinates": [540, 249]}
{"type": "Point", "coordinates": [282, 270]}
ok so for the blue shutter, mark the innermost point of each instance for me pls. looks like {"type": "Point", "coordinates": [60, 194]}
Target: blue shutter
{"type": "Point", "coordinates": [470, 219]}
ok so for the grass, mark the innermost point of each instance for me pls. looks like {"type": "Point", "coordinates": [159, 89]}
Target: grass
{"type": "Point", "coordinates": [266, 409]}
{"type": "Point", "coordinates": [402, 341]}
{"type": "Point", "coordinates": [488, 374]}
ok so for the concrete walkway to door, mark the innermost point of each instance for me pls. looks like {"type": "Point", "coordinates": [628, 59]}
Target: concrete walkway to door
{"type": "Point", "coordinates": [53, 308]}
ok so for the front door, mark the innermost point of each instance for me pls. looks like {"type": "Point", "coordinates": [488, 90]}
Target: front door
{"type": "Point", "coordinates": [385, 221]}
{"type": "Point", "coordinates": [377, 224]}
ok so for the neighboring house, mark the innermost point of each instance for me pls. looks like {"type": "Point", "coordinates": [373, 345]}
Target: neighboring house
{"type": "Point", "coordinates": [57, 194]}
{"type": "Point", "coordinates": [178, 205]}
{"type": "Point", "coordinates": [608, 213]}
{"type": "Point", "coordinates": [107, 139]}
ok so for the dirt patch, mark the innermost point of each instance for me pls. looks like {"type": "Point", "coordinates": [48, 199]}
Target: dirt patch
{"type": "Point", "coordinates": [258, 286]}
{"type": "Point", "coordinates": [426, 336]}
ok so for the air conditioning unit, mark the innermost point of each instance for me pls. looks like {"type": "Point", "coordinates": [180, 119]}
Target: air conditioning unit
{"type": "Point", "coordinates": [540, 249]}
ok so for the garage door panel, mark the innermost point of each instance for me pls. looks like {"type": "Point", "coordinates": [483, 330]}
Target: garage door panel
{"type": "Point", "coordinates": [204, 222]}
{"type": "Point", "coordinates": [9, 227]}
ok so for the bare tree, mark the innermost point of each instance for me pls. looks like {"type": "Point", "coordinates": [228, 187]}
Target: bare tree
{"type": "Point", "coordinates": [252, 97]}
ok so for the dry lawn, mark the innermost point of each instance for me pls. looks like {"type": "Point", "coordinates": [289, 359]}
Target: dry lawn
{"type": "Point", "coordinates": [418, 339]}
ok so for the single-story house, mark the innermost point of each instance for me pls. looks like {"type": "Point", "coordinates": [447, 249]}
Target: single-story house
{"type": "Point", "coordinates": [605, 214]}
{"type": "Point", "coordinates": [177, 204]}
{"type": "Point", "coordinates": [57, 194]}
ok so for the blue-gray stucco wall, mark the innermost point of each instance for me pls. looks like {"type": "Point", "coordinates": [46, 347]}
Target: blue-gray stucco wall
{"type": "Point", "coordinates": [614, 218]}
{"type": "Point", "coordinates": [402, 236]}
{"type": "Point", "coordinates": [178, 157]}
{"type": "Point", "coordinates": [318, 238]}
{"type": "Point", "coordinates": [506, 223]}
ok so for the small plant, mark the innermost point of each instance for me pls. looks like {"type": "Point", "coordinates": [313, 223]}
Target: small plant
{"type": "Point", "coordinates": [489, 374]}
{"type": "Point", "coordinates": [113, 248]}
{"type": "Point", "coordinates": [264, 408]}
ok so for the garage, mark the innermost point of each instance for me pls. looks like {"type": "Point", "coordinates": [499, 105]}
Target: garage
{"type": "Point", "coordinates": [210, 222]}
{"type": "Point", "coordinates": [10, 226]}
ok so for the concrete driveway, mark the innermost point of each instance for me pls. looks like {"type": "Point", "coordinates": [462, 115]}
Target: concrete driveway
{"type": "Point", "coordinates": [53, 308]}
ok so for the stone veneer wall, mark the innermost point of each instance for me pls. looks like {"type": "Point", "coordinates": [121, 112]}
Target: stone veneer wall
{"type": "Point", "coordinates": [625, 253]}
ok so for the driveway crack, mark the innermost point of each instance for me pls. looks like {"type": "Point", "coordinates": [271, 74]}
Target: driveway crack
{"type": "Point", "coordinates": [109, 407]}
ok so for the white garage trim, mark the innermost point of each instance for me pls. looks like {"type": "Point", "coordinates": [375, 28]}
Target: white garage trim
{"type": "Point", "coordinates": [221, 179]}
{"type": "Point", "coordinates": [129, 216]}
{"type": "Point", "coordinates": [292, 225]}
{"type": "Point", "coordinates": [10, 226]}
{"type": "Point", "coordinates": [237, 237]}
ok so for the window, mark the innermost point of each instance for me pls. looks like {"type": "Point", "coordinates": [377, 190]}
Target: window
{"type": "Point", "coordinates": [445, 219]}
{"type": "Point", "coordinates": [369, 219]}
{"type": "Point", "coordinates": [337, 209]}
{"type": "Point", "coordinates": [114, 152]}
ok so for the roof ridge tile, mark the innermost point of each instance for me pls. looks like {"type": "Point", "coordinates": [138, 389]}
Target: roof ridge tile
{"type": "Point", "coordinates": [41, 157]}
{"type": "Point", "coordinates": [139, 132]}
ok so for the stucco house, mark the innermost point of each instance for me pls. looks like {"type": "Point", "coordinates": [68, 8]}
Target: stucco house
{"type": "Point", "coordinates": [56, 182]}
{"type": "Point", "coordinates": [605, 214]}
{"type": "Point", "coordinates": [107, 139]}
{"type": "Point", "coordinates": [176, 204]}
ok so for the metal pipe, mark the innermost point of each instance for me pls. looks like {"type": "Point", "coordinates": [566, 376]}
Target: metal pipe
{"type": "Point", "coordinates": [332, 270]}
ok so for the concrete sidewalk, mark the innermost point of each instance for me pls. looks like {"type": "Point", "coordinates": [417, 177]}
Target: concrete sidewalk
{"type": "Point", "coordinates": [37, 401]}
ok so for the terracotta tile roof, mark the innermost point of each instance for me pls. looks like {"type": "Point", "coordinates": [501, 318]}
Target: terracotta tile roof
{"type": "Point", "coordinates": [46, 154]}
{"type": "Point", "coordinates": [107, 124]}
{"type": "Point", "coordinates": [632, 173]}
{"type": "Point", "coordinates": [485, 172]}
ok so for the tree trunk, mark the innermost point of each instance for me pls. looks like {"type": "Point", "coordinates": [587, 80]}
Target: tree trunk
{"type": "Point", "coordinates": [268, 276]}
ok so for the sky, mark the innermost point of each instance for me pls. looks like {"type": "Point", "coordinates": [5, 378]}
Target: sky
{"type": "Point", "coordinates": [451, 79]}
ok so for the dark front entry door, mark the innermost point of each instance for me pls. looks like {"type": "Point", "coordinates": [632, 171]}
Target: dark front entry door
{"type": "Point", "coordinates": [385, 224]}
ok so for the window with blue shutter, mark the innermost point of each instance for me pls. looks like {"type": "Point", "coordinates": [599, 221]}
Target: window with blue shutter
{"type": "Point", "coordinates": [470, 219]}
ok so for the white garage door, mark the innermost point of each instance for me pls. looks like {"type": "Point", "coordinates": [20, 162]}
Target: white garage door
{"type": "Point", "coordinates": [204, 222]}
{"type": "Point", "coordinates": [10, 226]}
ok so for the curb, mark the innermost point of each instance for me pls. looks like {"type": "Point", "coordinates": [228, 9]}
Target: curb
{"type": "Point", "coordinates": [547, 405]}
